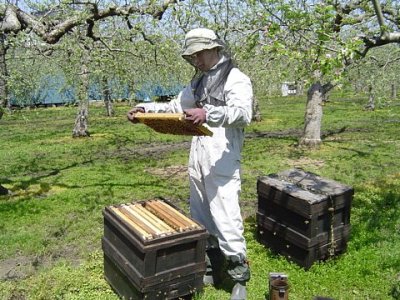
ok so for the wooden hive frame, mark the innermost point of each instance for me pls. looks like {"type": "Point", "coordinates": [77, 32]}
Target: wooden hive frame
{"type": "Point", "coordinates": [172, 123]}
{"type": "Point", "coordinates": [154, 219]}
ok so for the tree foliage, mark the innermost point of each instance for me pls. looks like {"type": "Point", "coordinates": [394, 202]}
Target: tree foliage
{"type": "Point", "coordinates": [320, 40]}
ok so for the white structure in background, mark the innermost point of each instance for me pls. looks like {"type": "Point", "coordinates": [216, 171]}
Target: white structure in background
{"type": "Point", "coordinates": [288, 88]}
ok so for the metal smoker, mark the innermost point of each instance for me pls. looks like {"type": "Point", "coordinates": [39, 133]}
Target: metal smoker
{"type": "Point", "coordinates": [278, 286]}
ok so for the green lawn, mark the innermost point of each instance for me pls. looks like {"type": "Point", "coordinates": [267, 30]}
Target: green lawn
{"type": "Point", "coordinates": [51, 225]}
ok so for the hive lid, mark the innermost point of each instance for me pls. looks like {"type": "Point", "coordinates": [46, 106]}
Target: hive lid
{"type": "Point", "coordinates": [172, 123]}
{"type": "Point", "coordinates": [305, 185]}
{"type": "Point", "coordinates": [314, 183]}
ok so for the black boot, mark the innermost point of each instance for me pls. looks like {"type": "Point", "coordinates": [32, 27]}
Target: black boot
{"type": "Point", "coordinates": [215, 265]}
{"type": "Point", "coordinates": [208, 278]}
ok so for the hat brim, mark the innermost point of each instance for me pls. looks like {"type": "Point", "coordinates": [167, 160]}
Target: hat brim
{"type": "Point", "coordinates": [200, 46]}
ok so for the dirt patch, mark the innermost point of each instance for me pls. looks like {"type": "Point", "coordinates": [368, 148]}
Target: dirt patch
{"type": "Point", "coordinates": [179, 172]}
{"type": "Point", "coordinates": [305, 162]}
{"type": "Point", "coordinates": [248, 207]}
{"type": "Point", "coordinates": [21, 267]}
{"type": "Point", "coordinates": [16, 268]}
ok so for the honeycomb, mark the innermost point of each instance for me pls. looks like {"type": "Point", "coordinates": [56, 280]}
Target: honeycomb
{"type": "Point", "coordinates": [172, 123]}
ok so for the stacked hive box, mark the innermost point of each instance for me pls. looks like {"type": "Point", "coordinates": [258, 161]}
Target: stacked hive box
{"type": "Point", "coordinates": [152, 251]}
{"type": "Point", "coordinates": [303, 216]}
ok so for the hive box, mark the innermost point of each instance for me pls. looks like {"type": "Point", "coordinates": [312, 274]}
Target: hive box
{"type": "Point", "coordinates": [303, 216]}
{"type": "Point", "coordinates": [167, 266]}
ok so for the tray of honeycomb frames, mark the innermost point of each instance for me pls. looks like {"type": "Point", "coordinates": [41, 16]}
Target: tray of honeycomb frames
{"type": "Point", "coordinates": [172, 123]}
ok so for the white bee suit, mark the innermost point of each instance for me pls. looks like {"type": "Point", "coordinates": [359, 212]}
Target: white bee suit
{"type": "Point", "coordinates": [214, 162]}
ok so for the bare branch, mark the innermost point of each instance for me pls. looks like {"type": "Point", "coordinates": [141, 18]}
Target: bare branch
{"type": "Point", "coordinates": [89, 31]}
{"type": "Point", "coordinates": [383, 65]}
{"type": "Point", "coordinates": [147, 39]}
{"type": "Point", "coordinates": [16, 20]}
{"type": "Point", "coordinates": [379, 16]}
{"type": "Point", "coordinates": [388, 38]}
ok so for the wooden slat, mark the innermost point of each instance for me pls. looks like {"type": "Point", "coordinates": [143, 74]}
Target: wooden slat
{"type": "Point", "coordinates": [142, 220]}
{"type": "Point", "coordinates": [133, 217]}
{"type": "Point", "coordinates": [171, 217]}
{"type": "Point", "coordinates": [160, 116]}
{"type": "Point", "coordinates": [144, 213]}
{"type": "Point", "coordinates": [140, 216]}
{"type": "Point", "coordinates": [176, 214]}
{"type": "Point", "coordinates": [190, 223]}
{"type": "Point", "coordinates": [142, 233]}
{"type": "Point", "coordinates": [153, 218]}
{"type": "Point", "coordinates": [163, 214]}
{"type": "Point", "coordinates": [173, 213]}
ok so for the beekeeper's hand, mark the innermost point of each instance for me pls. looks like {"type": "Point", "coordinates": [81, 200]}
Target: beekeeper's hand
{"type": "Point", "coordinates": [196, 115]}
{"type": "Point", "coordinates": [132, 112]}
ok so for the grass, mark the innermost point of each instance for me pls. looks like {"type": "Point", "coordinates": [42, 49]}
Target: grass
{"type": "Point", "coordinates": [51, 225]}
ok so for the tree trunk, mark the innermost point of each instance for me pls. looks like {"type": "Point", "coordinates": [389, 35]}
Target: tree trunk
{"type": "Point", "coordinates": [3, 75]}
{"type": "Point", "coordinates": [107, 98]}
{"type": "Point", "coordinates": [300, 88]}
{"type": "Point", "coordinates": [81, 122]}
{"type": "Point", "coordinates": [394, 91]}
{"type": "Point", "coordinates": [256, 110]}
{"type": "Point", "coordinates": [371, 100]}
{"type": "Point", "coordinates": [131, 99]}
{"type": "Point", "coordinates": [313, 116]}
{"type": "Point", "coordinates": [358, 86]}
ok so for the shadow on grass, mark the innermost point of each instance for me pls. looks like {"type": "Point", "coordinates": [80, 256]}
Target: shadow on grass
{"type": "Point", "coordinates": [24, 184]}
{"type": "Point", "coordinates": [378, 209]}
{"type": "Point", "coordinates": [22, 205]}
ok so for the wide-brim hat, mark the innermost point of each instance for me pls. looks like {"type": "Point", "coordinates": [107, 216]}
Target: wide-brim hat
{"type": "Point", "coordinates": [200, 39]}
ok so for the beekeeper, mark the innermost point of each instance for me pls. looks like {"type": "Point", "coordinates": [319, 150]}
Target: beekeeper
{"type": "Point", "coordinates": [220, 97]}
